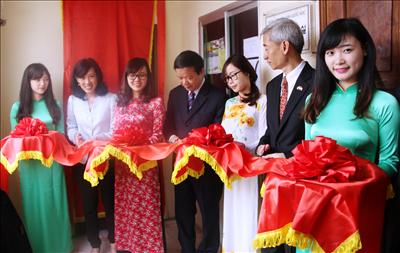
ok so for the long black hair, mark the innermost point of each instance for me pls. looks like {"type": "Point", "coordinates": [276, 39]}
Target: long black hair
{"type": "Point", "coordinates": [241, 62]}
{"type": "Point", "coordinates": [126, 93]}
{"type": "Point", "coordinates": [80, 70]}
{"type": "Point", "coordinates": [35, 71]}
{"type": "Point", "coordinates": [325, 82]}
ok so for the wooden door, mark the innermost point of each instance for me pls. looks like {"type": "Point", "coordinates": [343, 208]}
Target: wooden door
{"type": "Point", "coordinates": [381, 18]}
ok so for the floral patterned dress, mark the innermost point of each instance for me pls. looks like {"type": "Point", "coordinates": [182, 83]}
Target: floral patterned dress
{"type": "Point", "coordinates": [247, 124]}
{"type": "Point", "coordinates": [138, 225]}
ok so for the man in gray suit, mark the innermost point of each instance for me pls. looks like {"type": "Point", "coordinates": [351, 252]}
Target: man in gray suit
{"type": "Point", "coordinates": [283, 42]}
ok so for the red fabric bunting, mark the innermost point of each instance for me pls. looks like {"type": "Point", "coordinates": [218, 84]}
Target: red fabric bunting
{"type": "Point", "coordinates": [3, 178]}
{"type": "Point", "coordinates": [137, 158]}
{"type": "Point", "coordinates": [323, 196]}
{"type": "Point", "coordinates": [29, 127]}
{"type": "Point", "coordinates": [330, 213]}
{"type": "Point", "coordinates": [214, 135]}
{"type": "Point", "coordinates": [323, 160]}
{"type": "Point", "coordinates": [43, 147]}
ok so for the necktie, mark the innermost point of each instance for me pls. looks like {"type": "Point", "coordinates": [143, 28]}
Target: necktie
{"type": "Point", "coordinates": [284, 96]}
{"type": "Point", "coordinates": [191, 99]}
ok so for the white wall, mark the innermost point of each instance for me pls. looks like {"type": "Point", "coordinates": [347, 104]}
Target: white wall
{"type": "Point", "coordinates": [273, 7]}
{"type": "Point", "coordinates": [33, 33]}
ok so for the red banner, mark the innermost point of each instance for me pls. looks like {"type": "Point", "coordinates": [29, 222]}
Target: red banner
{"type": "Point", "coordinates": [112, 32]}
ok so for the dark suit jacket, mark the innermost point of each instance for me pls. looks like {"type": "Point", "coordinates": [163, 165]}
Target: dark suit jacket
{"type": "Point", "coordinates": [284, 136]}
{"type": "Point", "coordinates": [208, 108]}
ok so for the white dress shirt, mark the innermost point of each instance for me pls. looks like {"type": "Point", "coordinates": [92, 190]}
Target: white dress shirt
{"type": "Point", "coordinates": [292, 77]}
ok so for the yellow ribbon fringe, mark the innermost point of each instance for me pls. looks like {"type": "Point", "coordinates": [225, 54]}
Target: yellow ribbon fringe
{"type": "Point", "coordinates": [205, 157]}
{"type": "Point", "coordinates": [25, 155]}
{"type": "Point", "coordinates": [291, 237]}
{"type": "Point", "coordinates": [390, 192]}
{"type": "Point", "coordinates": [263, 189]}
{"type": "Point", "coordinates": [93, 176]}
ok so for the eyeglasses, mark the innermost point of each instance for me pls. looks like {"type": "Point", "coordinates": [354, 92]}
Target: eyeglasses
{"type": "Point", "coordinates": [140, 76]}
{"type": "Point", "coordinates": [232, 77]}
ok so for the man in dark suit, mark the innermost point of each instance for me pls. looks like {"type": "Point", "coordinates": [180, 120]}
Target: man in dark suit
{"type": "Point", "coordinates": [195, 103]}
{"type": "Point", "coordinates": [283, 42]}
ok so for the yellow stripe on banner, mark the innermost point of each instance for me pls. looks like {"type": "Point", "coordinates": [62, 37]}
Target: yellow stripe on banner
{"type": "Point", "coordinates": [25, 155]}
{"type": "Point", "coordinates": [152, 33]}
{"type": "Point", "coordinates": [93, 176]}
{"type": "Point", "coordinates": [205, 157]}
{"type": "Point", "coordinates": [291, 237]}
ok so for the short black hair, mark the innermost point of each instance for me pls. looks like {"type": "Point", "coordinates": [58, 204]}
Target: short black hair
{"type": "Point", "coordinates": [80, 70]}
{"type": "Point", "coordinates": [187, 59]}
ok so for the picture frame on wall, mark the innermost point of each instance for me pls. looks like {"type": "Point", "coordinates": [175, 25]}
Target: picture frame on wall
{"type": "Point", "coordinates": [302, 16]}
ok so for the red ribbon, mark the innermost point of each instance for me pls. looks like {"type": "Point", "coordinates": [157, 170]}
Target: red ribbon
{"type": "Point", "coordinates": [328, 212]}
{"type": "Point", "coordinates": [213, 135]}
{"type": "Point", "coordinates": [29, 127]}
{"type": "Point", "coordinates": [130, 137]}
{"type": "Point", "coordinates": [31, 137]}
{"type": "Point", "coordinates": [323, 190]}
{"type": "Point", "coordinates": [323, 160]}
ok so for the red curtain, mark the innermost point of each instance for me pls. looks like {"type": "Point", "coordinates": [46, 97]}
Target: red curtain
{"type": "Point", "coordinates": [111, 32]}
{"type": "Point", "coordinates": [3, 178]}
{"type": "Point", "coordinates": [161, 46]}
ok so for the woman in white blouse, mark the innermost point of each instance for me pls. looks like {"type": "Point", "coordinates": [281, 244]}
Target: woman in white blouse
{"type": "Point", "coordinates": [90, 117]}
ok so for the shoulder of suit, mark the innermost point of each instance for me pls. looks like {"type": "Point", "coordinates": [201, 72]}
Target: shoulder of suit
{"type": "Point", "coordinates": [276, 80]}
{"type": "Point", "coordinates": [309, 66]}
{"type": "Point", "coordinates": [309, 70]}
{"type": "Point", "coordinates": [217, 90]}
{"type": "Point", "coordinates": [213, 89]}
{"type": "Point", "coordinates": [177, 89]}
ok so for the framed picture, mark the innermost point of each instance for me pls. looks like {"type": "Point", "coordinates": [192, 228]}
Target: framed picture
{"type": "Point", "coordinates": [300, 15]}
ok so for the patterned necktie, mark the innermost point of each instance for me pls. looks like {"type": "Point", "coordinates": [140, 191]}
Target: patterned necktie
{"type": "Point", "coordinates": [284, 96]}
{"type": "Point", "coordinates": [191, 99]}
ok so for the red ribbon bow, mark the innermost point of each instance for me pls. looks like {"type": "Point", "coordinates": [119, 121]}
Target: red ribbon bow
{"type": "Point", "coordinates": [29, 127]}
{"type": "Point", "coordinates": [323, 160]}
{"type": "Point", "coordinates": [130, 137]}
{"type": "Point", "coordinates": [212, 135]}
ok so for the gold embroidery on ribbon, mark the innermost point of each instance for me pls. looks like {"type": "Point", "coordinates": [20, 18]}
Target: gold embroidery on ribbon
{"type": "Point", "coordinates": [93, 176]}
{"type": "Point", "coordinates": [25, 155]}
{"type": "Point", "coordinates": [205, 157]}
{"type": "Point", "coordinates": [288, 235]}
